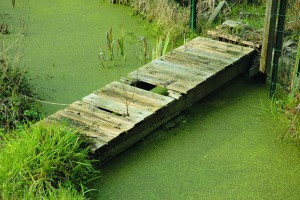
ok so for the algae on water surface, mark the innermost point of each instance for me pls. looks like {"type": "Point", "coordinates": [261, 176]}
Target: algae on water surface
{"type": "Point", "coordinates": [227, 149]}
{"type": "Point", "coordinates": [62, 44]}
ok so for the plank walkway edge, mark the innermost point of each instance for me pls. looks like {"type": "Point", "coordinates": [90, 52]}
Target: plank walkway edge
{"type": "Point", "coordinates": [100, 115]}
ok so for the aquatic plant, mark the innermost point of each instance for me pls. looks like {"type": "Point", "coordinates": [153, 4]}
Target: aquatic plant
{"type": "Point", "coordinates": [4, 28]}
{"type": "Point", "coordinates": [110, 42]}
{"type": "Point", "coordinates": [121, 44]}
{"type": "Point", "coordinates": [102, 58]}
{"type": "Point", "coordinates": [161, 47]}
{"type": "Point", "coordinates": [106, 61]}
{"type": "Point", "coordinates": [13, 2]}
{"type": "Point", "coordinates": [142, 53]}
{"type": "Point", "coordinates": [48, 160]}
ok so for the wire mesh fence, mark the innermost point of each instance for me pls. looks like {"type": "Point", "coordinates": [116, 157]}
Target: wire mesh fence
{"type": "Point", "coordinates": [285, 65]}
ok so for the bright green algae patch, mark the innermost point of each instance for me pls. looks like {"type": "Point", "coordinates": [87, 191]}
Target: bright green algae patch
{"type": "Point", "coordinates": [62, 45]}
{"type": "Point", "coordinates": [227, 149]}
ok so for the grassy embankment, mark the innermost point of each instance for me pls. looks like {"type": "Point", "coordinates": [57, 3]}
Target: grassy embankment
{"type": "Point", "coordinates": [37, 161]}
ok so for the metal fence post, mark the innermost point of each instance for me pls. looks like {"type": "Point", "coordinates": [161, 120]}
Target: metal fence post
{"type": "Point", "coordinates": [193, 15]}
{"type": "Point", "coordinates": [278, 45]}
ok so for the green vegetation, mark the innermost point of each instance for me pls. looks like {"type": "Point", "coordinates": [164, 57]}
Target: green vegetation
{"type": "Point", "coordinates": [41, 161]}
{"type": "Point", "coordinates": [161, 47]}
{"type": "Point", "coordinates": [168, 16]}
{"type": "Point", "coordinates": [214, 160]}
{"type": "Point", "coordinates": [142, 52]}
{"type": "Point", "coordinates": [110, 61]}
{"type": "Point", "coordinates": [16, 93]}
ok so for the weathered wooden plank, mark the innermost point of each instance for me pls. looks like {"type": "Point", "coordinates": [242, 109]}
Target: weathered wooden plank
{"type": "Point", "coordinates": [205, 56]}
{"type": "Point", "coordinates": [218, 45]}
{"type": "Point", "coordinates": [84, 107]}
{"type": "Point", "coordinates": [233, 38]}
{"type": "Point", "coordinates": [217, 50]}
{"type": "Point", "coordinates": [89, 131]}
{"type": "Point", "coordinates": [214, 16]}
{"type": "Point", "coordinates": [166, 113]}
{"type": "Point", "coordinates": [174, 94]}
{"type": "Point", "coordinates": [111, 131]}
{"type": "Point", "coordinates": [139, 96]}
{"type": "Point", "coordinates": [107, 124]}
{"type": "Point", "coordinates": [210, 54]}
{"type": "Point", "coordinates": [268, 37]}
{"type": "Point", "coordinates": [194, 62]}
{"type": "Point", "coordinates": [118, 107]}
{"type": "Point", "coordinates": [179, 68]}
{"type": "Point", "coordinates": [173, 74]}
{"type": "Point", "coordinates": [159, 80]}
{"type": "Point", "coordinates": [128, 98]}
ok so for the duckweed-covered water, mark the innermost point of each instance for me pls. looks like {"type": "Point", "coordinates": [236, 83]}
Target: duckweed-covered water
{"type": "Point", "coordinates": [62, 44]}
{"type": "Point", "coordinates": [223, 147]}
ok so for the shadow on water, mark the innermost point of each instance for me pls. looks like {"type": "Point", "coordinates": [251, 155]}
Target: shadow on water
{"type": "Point", "coordinates": [226, 148]}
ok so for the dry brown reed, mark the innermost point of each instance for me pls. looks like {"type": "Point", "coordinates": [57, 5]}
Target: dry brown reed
{"type": "Point", "coordinates": [168, 15]}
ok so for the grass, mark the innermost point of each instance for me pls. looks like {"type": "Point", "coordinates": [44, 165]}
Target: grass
{"type": "Point", "coordinates": [16, 93]}
{"type": "Point", "coordinates": [168, 16]}
{"type": "Point", "coordinates": [253, 14]}
{"type": "Point", "coordinates": [47, 161]}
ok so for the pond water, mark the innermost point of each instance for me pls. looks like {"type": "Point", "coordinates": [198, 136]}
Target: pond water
{"type": "Point", "coordinates": [223, 147]}
{"type": "Point", "coordinates": [62, 44]}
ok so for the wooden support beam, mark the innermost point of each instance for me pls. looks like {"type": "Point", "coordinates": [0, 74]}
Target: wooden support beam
{"type": "Point", "coordinates": [268, 36]}
{"type": "Point", "coordinates": [216, 12]}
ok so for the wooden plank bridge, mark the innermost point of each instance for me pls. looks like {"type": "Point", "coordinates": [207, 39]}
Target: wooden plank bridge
{"type": "Point", "coordinates": [121, 113]}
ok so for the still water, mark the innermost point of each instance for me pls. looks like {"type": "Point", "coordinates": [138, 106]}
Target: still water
{"type": "Point", "coordinates": [223, 147]}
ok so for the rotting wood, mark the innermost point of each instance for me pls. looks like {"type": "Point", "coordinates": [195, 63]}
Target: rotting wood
{"type": "Point", "coordinates": [163, 115]}
{"type": "Point", "coordinates": [231, 50]}
{"type": "Point", "coordinates": [174, 94]}
{"type": "Point", "coordinates": [268, 37]}
{"type": "Point", "coordinates": [133, 96]}
{"type": "Point", "coordinates": [193, 62]}
{"type": "Point", "coordinates": [234, 39]}
{"type": "Point", "coordinates": [159, 81]}
{"type": "Point", "coordinates": [101, 115]}
{"type": "Point", "coordinates": [210, 54]}
{"type": "Point", "coordinates": [179, 68]}
{"type": "Point", "coordinates": [140, 93]}
{"type": "Point", "coordinates": [118, 107]}
{"type": "Point", "coordinates": [216, 12]}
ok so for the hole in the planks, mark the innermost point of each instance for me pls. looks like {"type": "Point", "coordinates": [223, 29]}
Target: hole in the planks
{"type": "Point", "coordinates": [152, 88]}
{"type": "Point", "coordinates": [143, 85]}
{"type": "Point", "coordinates": [109, 111]}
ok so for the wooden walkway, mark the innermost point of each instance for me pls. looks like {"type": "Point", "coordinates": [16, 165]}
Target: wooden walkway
{"type": "Point", "coordinates": [187, 73]}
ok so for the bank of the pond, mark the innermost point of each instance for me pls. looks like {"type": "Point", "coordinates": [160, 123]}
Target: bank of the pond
{"type": "Point", "coordinates": [62, 44]}
{"type": "Point", "coordinates": [227, 149]}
